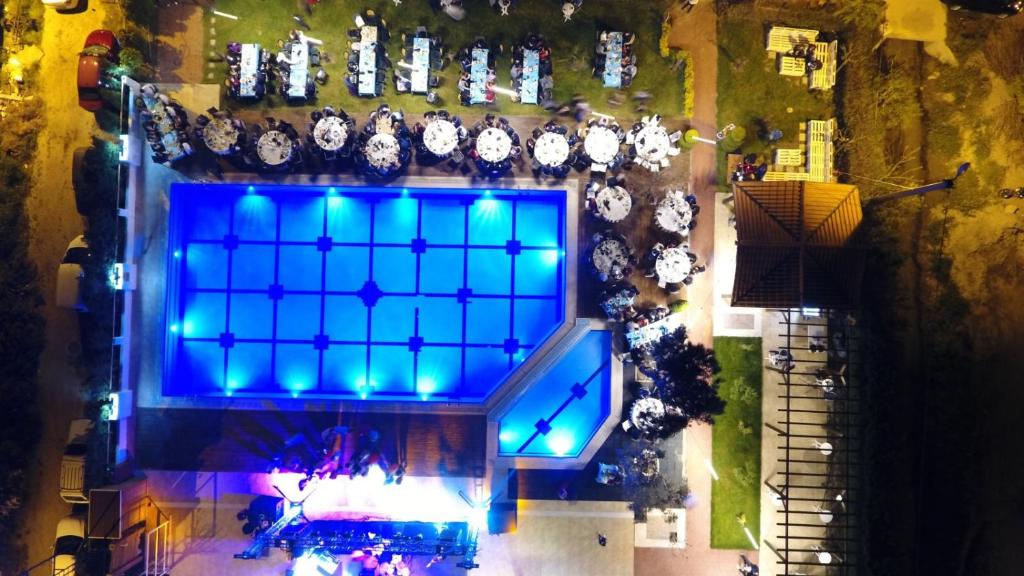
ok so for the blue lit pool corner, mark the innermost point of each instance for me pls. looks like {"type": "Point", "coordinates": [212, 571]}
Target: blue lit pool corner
{"type": "Point", "coordinates": [563, 412]}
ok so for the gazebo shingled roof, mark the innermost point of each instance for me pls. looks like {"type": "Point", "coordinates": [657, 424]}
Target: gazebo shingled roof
{"type": "Point", "coordinates": [796, 245]}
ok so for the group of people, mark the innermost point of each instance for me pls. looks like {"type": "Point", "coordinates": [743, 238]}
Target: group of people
{"type": "Point", "coordinates": [326, 459]}
{"type": "Point", "coordinates": [466, 79]}
{"type": "Point", "coordinates": [494, 168]}
{"type": "Point", "coordinates": [166, 125]}
{"type": "Point", "coordinates": [284, 62]}
{"type": "Point", "coordinates": [370, 20]}
{"type": "Point", "coordinates": [650, 260]}
{"type": "Point", "coordinates": [461, 136]}
{"type": "Point", "coordinates": [749, 169]}
{"type": "Point", "coordinates": [404, 79]}
{"type": "Point", "coordinates": [611, 51]}
{"type": "Point", "coordinates": [202, 121]}
{"type": "Point", "coordinates": [390, 124]}
{"type": "Point", "coordinates": [329, 112]}
{"type": "Point", "coordinates": [561, 170]}
{"type": "Point", "coordinates": [235, 79]}
{"type": "Point", "coordinates": [521, 68]}
{"type": "Point", "coordinates": [605, 122]}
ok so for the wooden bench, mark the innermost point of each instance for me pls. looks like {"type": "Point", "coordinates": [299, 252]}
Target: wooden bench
{"type": "Point", "coordinates": [792, 66]}
{"type": "Point", "coordinates": [776, 176]}
{"type": "Point", "coordinates": [820, 149]}
{"type": "Point", "coordinates": [789, 156]}
{"type": "Point", "coordinates": [824, 78]}
{"type": "Point", "coordinates": [782, 39]}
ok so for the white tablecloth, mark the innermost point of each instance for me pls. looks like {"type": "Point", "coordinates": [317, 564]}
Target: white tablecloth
{"type": "Point", "coordinates": [382, 150]}
{"type": "Point", "coordinates": [613, 203]}
{"type": "Point", "coordinates": [608, 253]}
{"type": "Point", "coordinates": [368, 61]}
{"type": "Point", "coordinates": [493, 145]}
{"type": "Point", "coordinates": [441, 137]}
{"type": "Point", "coordinates": [551, 149]}
{"type": "Point", "coordinates": [330, 133]}
{"type": "Point", "coordinates": [652, 333]}
{"type": "Point", "coordinates": [674, 213]}
{"type": "Point", "coordinates": [652, 143]}
{"type": "Point", "coordinates": [601, 144]}
{"type": "Point", "coordinates": [249, 70]}
{"type": "Point", "coordinates": [274, 148]}
{"type": "Point", "coordinates": [298, 69]}
{"type": "Point", "coordinates": [647, 413]}
{"type": "Point", "coordinates": [220, 135]}
{"type": "Point", "coordinates": [420, 76]}
{"type": "Point", "coordinates": [673, 265]}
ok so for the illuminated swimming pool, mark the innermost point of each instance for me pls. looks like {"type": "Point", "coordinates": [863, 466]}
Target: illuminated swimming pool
{"type": "Point", "coordinates": [374, 293]}
{"type": "Point", "coordinates": [564, 407]}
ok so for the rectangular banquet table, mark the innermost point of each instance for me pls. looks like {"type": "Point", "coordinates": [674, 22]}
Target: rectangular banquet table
{"type": "Point", "coordinates": [165, 126]}
{"type": "Point", "coordinates": [478, 72]}
{"type": "Point", "coordinates": [613, 61]}
{"type": "Point", "coordinates": [420, 65]}
{"type": "Point", "coordinates": [530, 81]}
{"type": "Point", "coordinates": [249, 70]}
{"type": "Point", "coordinates": [298, 52]}
{"type": "Point", "coordinates": [368, 61]}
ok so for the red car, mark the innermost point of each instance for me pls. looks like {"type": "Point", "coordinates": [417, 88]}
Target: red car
{"type": "Point", "coordinates": [101, 49]}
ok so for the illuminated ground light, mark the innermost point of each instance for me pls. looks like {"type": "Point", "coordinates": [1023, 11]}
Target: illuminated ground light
{"type": "Point", "coordinates": [559, 443]}
{"type": "Point", "coordinates": [177, 253]}
{"type": "Point", "coordinates": [314, 563]}
{"type": "Point", "coordinates": [426, 386]}
{"type": "Point", "coordinates": [250, 190]}
{"type": "Point", "coordinates": [174, 328]}
{"type": "Point", "coordinates": [332, 190]}
{"type": "Point", "coordinates": [551, 257]}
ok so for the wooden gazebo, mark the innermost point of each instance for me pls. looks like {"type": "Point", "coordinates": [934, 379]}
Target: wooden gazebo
{"type": "Point", "coordinates": [797, 245]}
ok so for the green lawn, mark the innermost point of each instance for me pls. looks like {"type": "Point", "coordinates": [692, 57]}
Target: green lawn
{"type": "Point", "coordinates": [736, 443]}
{"type": "Point", "coordinates": [751, 93]}
{"type": "Point", "coordinates": [572, 45]}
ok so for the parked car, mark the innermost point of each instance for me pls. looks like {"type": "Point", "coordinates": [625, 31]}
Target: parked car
{"type": "Point", "coordinates": [100, 51]}
{"type": "Point", "coordinates": [66, 544]}
{"type": "Point", "coordinates": [1001, 8]}
{"type": "Point", "coordinates": [72, 463]}
{"type": "Point", "coordinates": [70, 275]}
{"type": "Point", "coordinates": [62, 4]}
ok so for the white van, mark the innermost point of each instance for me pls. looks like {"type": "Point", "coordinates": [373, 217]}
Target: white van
{"type": "Point", "coordinates": [72, 463]}
{"type": "Point", "coordinates": [71, 273]}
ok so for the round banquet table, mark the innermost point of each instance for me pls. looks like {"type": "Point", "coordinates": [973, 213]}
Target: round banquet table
{"type": "Point", "coordinates": [673, 265]}
{"type": "Point", "coordinates": [382, 151]}
{"type": "Point", "coordinates": [674, 213]}
{"type": "Point", "coordinates": [601, 144]}
{"type": "Point", "coordinates": [551, 149]}
{"type": "Point", "coordinates": [441, 137]}
{"type": "Point", "coordinates": [220, 135]}
{"type": "Point", "coordinates": [330, 133]}
{"type": "Point", "coordinates": [652, 143]}
{"type": "Point", "coordinates": [608, 253]}
{"type": "Point", "coordinates": [274, 147]}
{"type": "Point", "coordinates": [613, 203]}
{"type": "Point", "coordinates": [493, 145]}
{"type": "Point", "coordinates": [647, 413]}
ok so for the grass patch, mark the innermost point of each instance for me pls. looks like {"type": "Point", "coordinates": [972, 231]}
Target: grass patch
{"type": "Point", "coordinates": [572, 48]}
{"type": "Point", "coordinates": [736, 443]}
{"type": "Point", "coordinates": [752, 94]}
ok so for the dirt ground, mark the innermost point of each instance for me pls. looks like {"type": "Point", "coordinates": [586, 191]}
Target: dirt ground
{"type": "Point", "coordinates": [53, 222]}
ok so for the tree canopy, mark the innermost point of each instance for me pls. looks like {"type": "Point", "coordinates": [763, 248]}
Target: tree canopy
{"type": "Point", "coordinates": [685, 381]}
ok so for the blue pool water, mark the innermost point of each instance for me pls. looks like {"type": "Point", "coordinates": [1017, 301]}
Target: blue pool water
{"type": "Point", "coordinates": [376, 293]}
{"type": "Point", "coordinates": [560, 412]}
